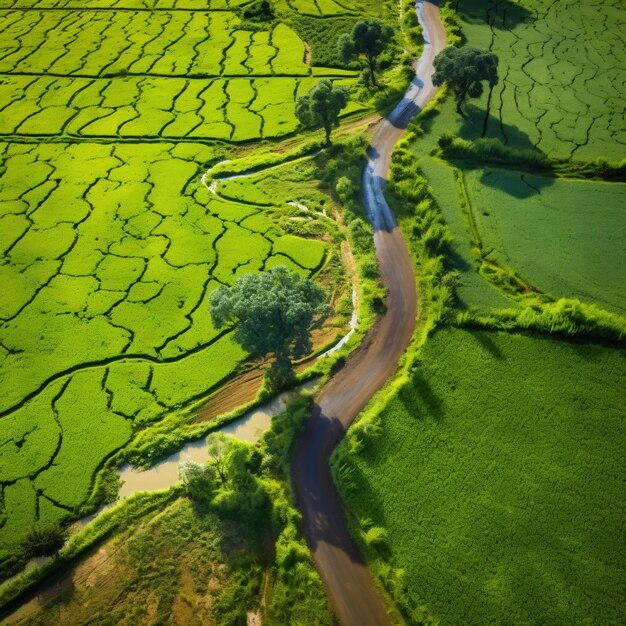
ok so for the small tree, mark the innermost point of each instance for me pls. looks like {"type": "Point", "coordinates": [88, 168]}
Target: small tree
{"type": "Point", "coordinates": [368, 39]}
{"type": "Point", "coordinates": [274, 313]}
{"type": "Point", "coordinates": [45, 541]}
{"type": "Point", "coordinates": [200, 480]}
{"type": "Point", "coordinates": [322, 105]}
{"type": "Point", "coordinates": [465, 69]}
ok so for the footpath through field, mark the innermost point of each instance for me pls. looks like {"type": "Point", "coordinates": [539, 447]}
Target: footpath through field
{"type": "Point", "coordinates": [348, 582]}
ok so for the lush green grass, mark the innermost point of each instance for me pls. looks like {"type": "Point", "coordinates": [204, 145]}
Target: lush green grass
{"type": "Point", "coordinates": [498, 473]}
{"type": "Point", "coordinates": [564, 237]}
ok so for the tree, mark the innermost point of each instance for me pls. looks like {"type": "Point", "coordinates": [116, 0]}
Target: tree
{"type": "Point", "coordinates": [465, 69]}
{"type": "Point", "coordinates": [368, 39]}
{"type": "Point", "coordinates": [200, 480]}
{"type": "Point", "coordinates": [322, 106]}
{"type": "Point", "coordinates": [274, 313]}
{"type": "Point", "coordinates": [45, 541]}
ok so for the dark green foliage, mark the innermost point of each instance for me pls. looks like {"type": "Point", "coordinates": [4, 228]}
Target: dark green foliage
{"type": "Point", "coordinates": [321, 106]}
{"type": "Point", "coordinates": [45, 540]}
{"type": "Point", "coordinates": [368, 40]}
{"type": "Point", "coordinates": [361, 235]}
{"type": "Point", "coordinates": [322, 34]}
{"type": "Point", "coordinates": [465, 69]}
{"type": "Point", "coordinates": [258, 11]}
{"type": "Point", "coordinates": [274, 312]}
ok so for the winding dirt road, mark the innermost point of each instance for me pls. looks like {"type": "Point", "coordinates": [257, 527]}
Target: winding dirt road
{"type": "Point", "coordinates": [348, 582]}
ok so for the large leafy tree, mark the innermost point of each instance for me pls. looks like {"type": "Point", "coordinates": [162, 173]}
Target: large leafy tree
{"type": "Point", "coordinates": [322, 105]}
{"type": "Point", "coordinates": [465, 69]}
{"type": "Point", "coordinates": [274, 313]}
{"type": "Point", "coordinates": [368, 39]}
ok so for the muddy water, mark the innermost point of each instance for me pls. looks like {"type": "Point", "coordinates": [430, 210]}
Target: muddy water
{"type": "Point", "coordinates": [248, 428]}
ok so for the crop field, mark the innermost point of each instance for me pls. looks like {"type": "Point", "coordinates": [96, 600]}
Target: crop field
{"type": "Point", "coordinates": [561, 69]}
{"type": "Point", "coordinates": [110, 268]}
{"type": "Point", "coordinates": [564, 237]}
{"type": "Point", "coordinates": [111, 244]}
{"type": "Point", "coordinates": [180, 73]}
{"type": "Point", "coordinates": [498, 474]}
{"type": "Point", "coordinates": [551, 56]}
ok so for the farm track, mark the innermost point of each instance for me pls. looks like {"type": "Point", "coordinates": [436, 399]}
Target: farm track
{"type": "Point", "coordinates": [348, 582]}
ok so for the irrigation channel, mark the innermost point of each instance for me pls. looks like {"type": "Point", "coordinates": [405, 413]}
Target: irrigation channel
{"type": "Point", "coordinates": [347, 580]}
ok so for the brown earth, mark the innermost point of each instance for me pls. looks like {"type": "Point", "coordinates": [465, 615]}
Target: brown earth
{"type": "Point", "coordinates": [349, 585]}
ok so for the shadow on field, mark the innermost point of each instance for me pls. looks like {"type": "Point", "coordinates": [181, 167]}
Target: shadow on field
{"type": "Point", "coordinates": [505, 14]}
{"type": "Point", "coordinates": [478, 124]}
{"type": "Point", "coordinates": [485, 340]}
{"type": "Point", "coordinates": [516, 184]}
{"type": "Point", "coordinates": [420, 400]}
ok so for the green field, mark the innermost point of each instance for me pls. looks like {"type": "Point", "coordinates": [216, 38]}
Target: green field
{"type": "Point", "coordinates": [498, 474]}
{"type": "Point", "coordinates": [133, 72]}
{"type": "Point", "coordinates": [565, 240]}
{"type": "Point", "coordinates": [564, 237]}
{"type": "Point", "coordinates": [561, 68]}
{"type": "Point", "coordinates": [110, 270]}
{"type": "Point", "coordinates": [111, 244]}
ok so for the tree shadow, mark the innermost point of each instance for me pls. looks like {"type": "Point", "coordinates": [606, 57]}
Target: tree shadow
{"type": "Point", "coordinates": [485, 340]}
{"type": "Point", "coordinates": [516, 184]}
{"type": "Point", "coordinates": [420, 400]}
{"type": "Point", "coordinates": [479, 124]}
{"type": "Point", "coordinates": [503, 15]}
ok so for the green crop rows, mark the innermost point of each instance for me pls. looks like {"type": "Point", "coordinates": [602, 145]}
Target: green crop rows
{"type": "Point", "coordinates": [548, 231]}
{"type": "Point", "coordinates": [498, 475]}
{"type": "Point", "coordinates": [129, 73]}
{"type": "Point", "coordinates": [561, 66]}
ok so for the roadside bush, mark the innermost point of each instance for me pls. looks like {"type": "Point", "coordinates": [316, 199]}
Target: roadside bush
{"type": "Point", "coordinates": [361, 235]}
{"type": "Point", "coordinates": [493, 152]}
{"type": "Point", "coordinates": [566, 318]}
{"type": "Point", "coordinates": [429, 237]}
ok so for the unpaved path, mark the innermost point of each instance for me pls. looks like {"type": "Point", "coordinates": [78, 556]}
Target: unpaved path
{"type": "Point", "coordinates": [348, 582]}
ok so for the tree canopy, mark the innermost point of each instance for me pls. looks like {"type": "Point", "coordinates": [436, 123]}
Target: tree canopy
{"type": "Point", "coordinates": [368, 39]}
{"type": "Point", "coordinates": [274, 313]}
{"type": "Point", "coordinates": [465, 69]}
{"type": "Point", "coordinates": [322, 105]}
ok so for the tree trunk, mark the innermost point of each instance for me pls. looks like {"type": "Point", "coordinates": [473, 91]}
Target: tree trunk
{"type": "Point", "coordinates": [328, 128]}
{"type": "Point", "coordinates": [370, 63]}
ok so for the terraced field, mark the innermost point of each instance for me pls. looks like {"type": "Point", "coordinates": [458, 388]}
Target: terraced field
{"type": "Point", "coordinates": [137, 73]}
{"type": "Point", "coordinates": [111, 244]}
{"type": "Point", "coordinates": [110, 269]}
{"type": "Point", "coordinates": [561, 67]}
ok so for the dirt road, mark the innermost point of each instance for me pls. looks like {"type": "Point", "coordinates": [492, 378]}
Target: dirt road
{"type": "Point", "coordinates": [348, 583]}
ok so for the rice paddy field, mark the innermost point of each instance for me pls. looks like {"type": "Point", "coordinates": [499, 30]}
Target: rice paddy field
{"type": "Point", "coordinates": [137, 72]}
{"type": "Point", "coordinates": [561, 73]}
{"type": "Point", "coordinates": [111, 242]}
{"type": "Point", "coordinates": [497, 472]}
